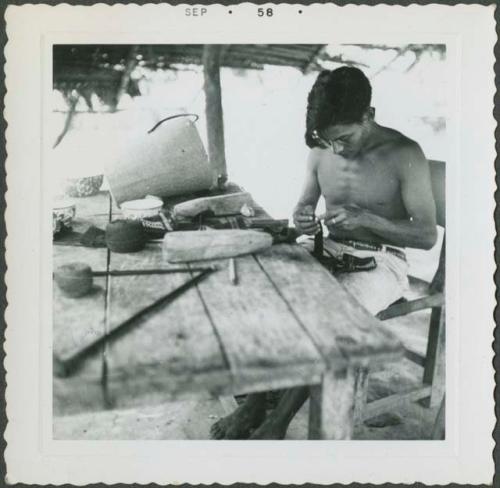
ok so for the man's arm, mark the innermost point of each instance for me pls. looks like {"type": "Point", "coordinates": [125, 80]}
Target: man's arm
{"type": "Point", "coordinates": [419, 230]}
{"type": "Point", "coordinates": [303, 214]}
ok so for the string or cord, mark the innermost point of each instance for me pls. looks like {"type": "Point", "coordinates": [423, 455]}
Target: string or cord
{"type": "Point", "coordinates": [107, 314]}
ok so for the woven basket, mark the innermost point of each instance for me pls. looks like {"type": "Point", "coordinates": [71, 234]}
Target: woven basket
{"type": "Point", "coordinates": [167, 160]}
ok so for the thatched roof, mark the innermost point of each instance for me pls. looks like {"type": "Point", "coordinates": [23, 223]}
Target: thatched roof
{"type": "Point", "coordinates": [168, 56]}
{"type": "Point", "coordinates": [104, 69]}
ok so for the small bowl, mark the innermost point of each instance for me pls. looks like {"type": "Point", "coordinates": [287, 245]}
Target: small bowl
{"type": "Point", "coordinates": [140, 209]}
{"type": "Point", "coordinates": [63, 213]}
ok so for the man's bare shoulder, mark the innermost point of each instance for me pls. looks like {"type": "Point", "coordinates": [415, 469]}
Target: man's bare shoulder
{"type": "Point", "coordinates": [400, 149]}
{"type": "Point", "coordinates": [316, 156]}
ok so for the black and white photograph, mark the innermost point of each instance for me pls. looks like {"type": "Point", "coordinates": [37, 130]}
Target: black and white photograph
{"type": "Point", "coordinates": [250, 243]}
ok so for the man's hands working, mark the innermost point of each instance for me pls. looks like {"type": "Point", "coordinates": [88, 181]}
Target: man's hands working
{"type": "Point", "coordinates": [304, 220]}
{"type": "Point", "coordinates": [345, 217]}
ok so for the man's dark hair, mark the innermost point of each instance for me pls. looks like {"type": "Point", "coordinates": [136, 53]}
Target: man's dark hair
{"type": "Point", "coordinates": [340, 96]}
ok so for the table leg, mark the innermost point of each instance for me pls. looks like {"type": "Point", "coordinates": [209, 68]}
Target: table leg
{"type": "Point", "coordinates": [331, 410]}
{"type": "Point", "coordinates": [229, 404]}
{"type": "Point", "coordinates": [360, 394]}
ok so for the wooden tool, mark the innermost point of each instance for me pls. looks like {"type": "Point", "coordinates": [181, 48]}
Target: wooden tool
{"type": "Point", "coordinates": [155, 271]}
{"type": "Point", "coordinates": [220, 205]}
{"type": "Point", "coordinates": [76, 279]}
{"type": "Point", "coordinates": [263, 223]}
{"type": "Point", "coordinates": [185, 246]}
{"type": "Point", "coordinates": [318, 243]}
{"type": "Point", "coordinates": [66, 367]}
{"type": "Point", "coordinates": [233, 277]}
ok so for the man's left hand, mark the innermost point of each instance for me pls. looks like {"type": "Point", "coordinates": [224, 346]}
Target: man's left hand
{"type": "Point", "coordinates": [346, 217]}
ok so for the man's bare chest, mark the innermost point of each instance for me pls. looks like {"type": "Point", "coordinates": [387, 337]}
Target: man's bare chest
{"type": "Point", "coordinates": [367, 184]}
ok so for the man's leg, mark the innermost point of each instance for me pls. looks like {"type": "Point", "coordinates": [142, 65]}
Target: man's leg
{"type": "Point", "coordinates": [276, 424]}
{"type": "Point", "coordinates": [246, 417]}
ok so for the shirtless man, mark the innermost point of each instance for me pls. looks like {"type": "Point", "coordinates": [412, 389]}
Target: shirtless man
{"type": "Point", "coordinates": [378, 195]}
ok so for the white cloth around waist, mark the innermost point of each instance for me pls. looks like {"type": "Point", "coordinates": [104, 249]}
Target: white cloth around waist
{"type": "Point", "coordinates": [375, 289]}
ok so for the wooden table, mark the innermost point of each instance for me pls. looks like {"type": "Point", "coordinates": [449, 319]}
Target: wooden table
{"type": "Point", "coordinates": [287, 323]}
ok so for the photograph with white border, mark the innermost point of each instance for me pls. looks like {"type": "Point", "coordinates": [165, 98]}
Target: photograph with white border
{"type": "Point", "coordinates": [237, 233]}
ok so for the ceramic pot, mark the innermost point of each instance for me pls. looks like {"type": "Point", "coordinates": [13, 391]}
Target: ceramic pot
{"type": "Point", "coordinates": [125, 236]}
{"type": "Point", "coordinates": [75, 279]}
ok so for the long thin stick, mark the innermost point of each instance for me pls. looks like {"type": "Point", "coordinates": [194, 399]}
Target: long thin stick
{"type": "Point", "coordinates": [233, 277]}
{"type": "Point", "coordinates": [68, 366]}
{"type": "Point", "coordinates": [107, 314]}
{"type": "Point", "coordinates": [154, 271]}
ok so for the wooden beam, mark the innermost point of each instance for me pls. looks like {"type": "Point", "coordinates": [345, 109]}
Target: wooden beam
{"type": "Point", "coordinates": [213, 102]}
{"type": "Point", "coordinates": [400, 309]}
{"type": "Point", "coordinates": [434, 372]}
{"type": "Point", "coordinates": [393, 402]}
{"type": "Point", "coordinates": [125, 78]}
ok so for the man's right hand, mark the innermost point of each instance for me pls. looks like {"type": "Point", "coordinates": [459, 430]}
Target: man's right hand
{"type": "Point", "coordinates": [304, 220]}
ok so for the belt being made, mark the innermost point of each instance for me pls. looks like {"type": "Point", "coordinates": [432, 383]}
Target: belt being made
{"type": "Point", "coordinates": [365, 246]}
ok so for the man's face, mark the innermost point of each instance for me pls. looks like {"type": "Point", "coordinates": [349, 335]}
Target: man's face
{"type": "Point", "coordinates": [346, 140]}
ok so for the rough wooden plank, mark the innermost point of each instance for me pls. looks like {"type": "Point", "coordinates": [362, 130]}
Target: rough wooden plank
{"type": "Point", "coordinates": [77, 394]}
{"type": "Point", "coordinates": [400, 309]}
{"type": "Point", "coordinates": [261, 337]}
{"type": "Point", "coordinates": [192, 245]}
{"type": "Point", "coordinates": [415, 357]}
{"type": "Point", "coordinates": [331, 409]}
{"type": "Point", "coordinates": [173, 350]}
{"type": "Point", "coordinates": [228, 204]}
{"type": "Point", "coordinates": [341, 328]}
{"type": "Point", "coordinates": [77, 322]}
{"type": "Point", "coordinates": [277, 378]}
{"type": "Point", "coordinates": [393, 402]}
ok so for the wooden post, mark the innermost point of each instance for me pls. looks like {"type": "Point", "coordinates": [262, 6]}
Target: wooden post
{"type": "Point", "coordinates": [434, 370]}
{"type": "Point", "coordinates": [125, 79]}
{"type": "Point", "coordinates": [213, 103]}
{"type": "Point", "coordinates": [331, 408]}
